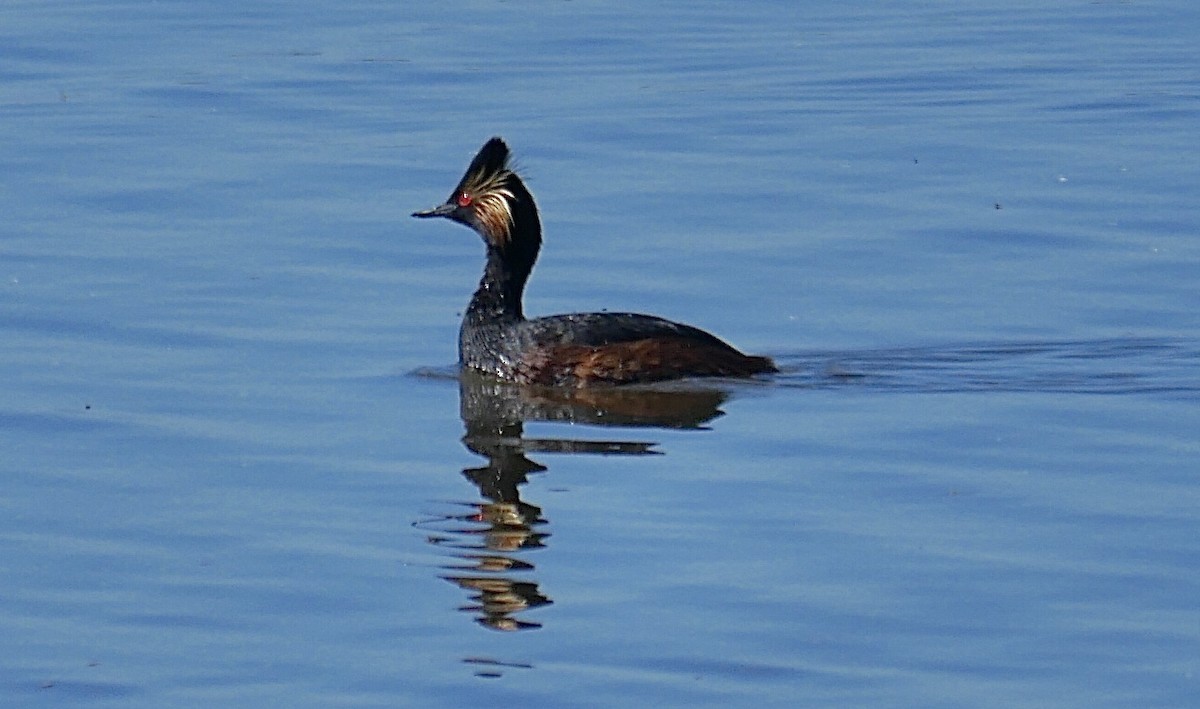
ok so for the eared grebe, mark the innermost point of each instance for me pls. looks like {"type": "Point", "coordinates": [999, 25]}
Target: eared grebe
{"type": "Point", "coordinates": [573, 350]}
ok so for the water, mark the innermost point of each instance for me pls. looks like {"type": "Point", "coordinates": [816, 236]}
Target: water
{"type": "Point", "coordinates": [237, 468]}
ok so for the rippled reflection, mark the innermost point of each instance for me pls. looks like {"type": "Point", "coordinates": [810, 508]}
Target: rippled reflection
{"type": "Point", "coordinates": [489, 541]}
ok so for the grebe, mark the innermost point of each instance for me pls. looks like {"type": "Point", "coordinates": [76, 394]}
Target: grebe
{"type": "Point", "coordinates": [579, 349]}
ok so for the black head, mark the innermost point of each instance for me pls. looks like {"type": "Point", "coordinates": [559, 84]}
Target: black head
{"type": "Point", "coordinates": [491, 199]}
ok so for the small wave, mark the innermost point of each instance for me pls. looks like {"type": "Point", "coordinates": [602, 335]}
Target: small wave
{"type": "Point", "coordinates": [1159, 366]}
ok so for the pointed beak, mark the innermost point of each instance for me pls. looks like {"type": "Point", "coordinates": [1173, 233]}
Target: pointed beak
{"type": "Point", "coordinates": [442, 210]}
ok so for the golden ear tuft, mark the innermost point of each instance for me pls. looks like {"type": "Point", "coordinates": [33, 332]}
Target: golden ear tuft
{"type": "Point", "coordinates": [491, 198]}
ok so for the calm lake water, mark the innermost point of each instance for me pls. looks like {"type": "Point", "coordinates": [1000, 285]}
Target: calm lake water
{"type": "Point", "coordinates": [238, 468]}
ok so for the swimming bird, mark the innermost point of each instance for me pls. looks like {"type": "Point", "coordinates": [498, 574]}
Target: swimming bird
{"type": "Point", "coordinates": [579, 349]}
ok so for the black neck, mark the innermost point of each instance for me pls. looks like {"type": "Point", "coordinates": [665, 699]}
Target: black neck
{"type": "Point", "coordinates": [498, 297]}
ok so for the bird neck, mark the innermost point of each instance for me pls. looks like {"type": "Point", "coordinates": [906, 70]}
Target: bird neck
{"type": "Point", "coordinates": [498, 297]}
{"type": "Point", "coordinates": [509, 263]}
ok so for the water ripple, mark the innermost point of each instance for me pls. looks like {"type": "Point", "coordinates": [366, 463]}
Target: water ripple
{"type": "Point", "coordinates": [1158, 366]}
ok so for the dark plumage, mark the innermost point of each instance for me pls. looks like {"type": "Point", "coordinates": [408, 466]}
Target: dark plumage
{"type": "Point", "coordinates": [573, 350]}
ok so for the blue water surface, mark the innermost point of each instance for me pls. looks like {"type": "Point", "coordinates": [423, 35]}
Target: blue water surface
{"type": "Point", "coordinates": [238, 467]}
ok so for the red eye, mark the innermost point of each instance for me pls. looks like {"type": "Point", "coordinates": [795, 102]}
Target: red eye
{"type": "Point", "coordinates": [464, 200]}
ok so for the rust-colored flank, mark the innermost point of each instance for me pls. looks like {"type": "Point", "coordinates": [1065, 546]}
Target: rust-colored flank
{"type": "Point", "coordinates": [648, 360]}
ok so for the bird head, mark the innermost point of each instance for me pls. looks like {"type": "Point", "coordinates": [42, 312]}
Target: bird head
{"type": "Point", "coordinates": [490, 198]}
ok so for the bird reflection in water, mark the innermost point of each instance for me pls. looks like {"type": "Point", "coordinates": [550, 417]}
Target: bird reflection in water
{"type": "Point", "coordinates": [491, 540]}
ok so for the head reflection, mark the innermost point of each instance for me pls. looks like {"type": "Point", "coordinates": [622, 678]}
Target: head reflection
{"type": "Point", "coordinates": [490, 541]}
